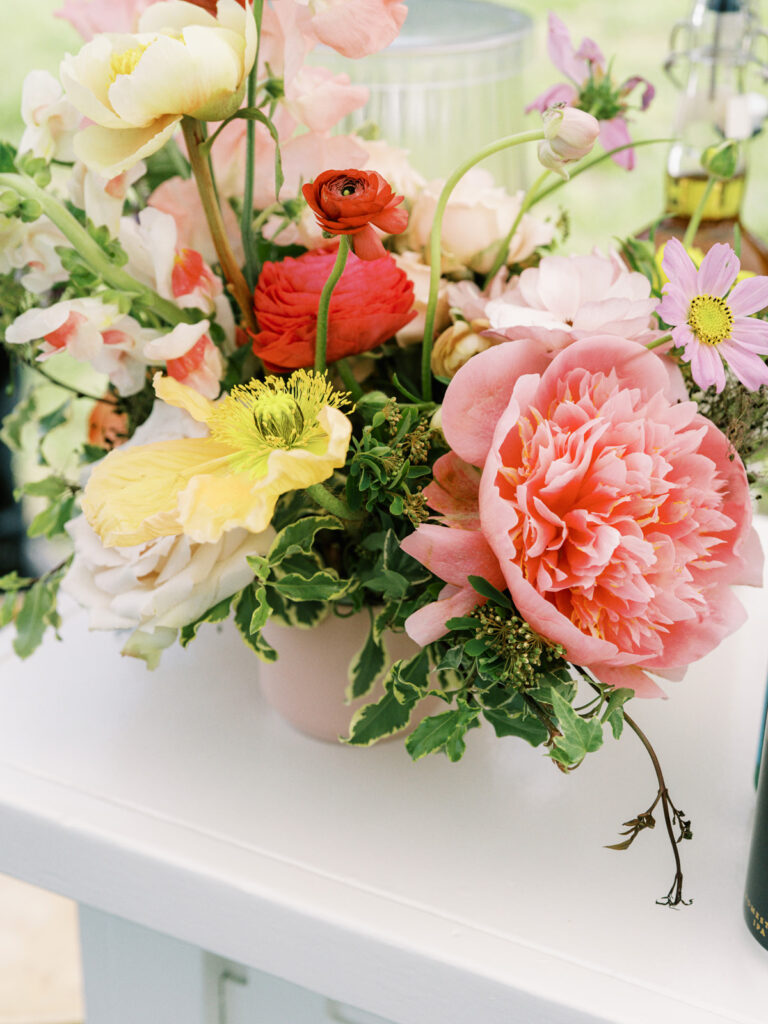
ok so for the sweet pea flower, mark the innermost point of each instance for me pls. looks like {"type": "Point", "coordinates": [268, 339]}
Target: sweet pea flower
{"type": "Point", "coordinates": [89, 17]}
{"type": "Point", "coordinates": [354, 28]}
{"type": "Point", "coordinates": [263, 439]}
{"type": "Point", "coordinates": [591, 89]}
{"type": "Point", "coordinates": [616, 516]}
{"type": "Point", "coordinates": [102, 199]}
{"type": "Point", "coordinates": [711, 320]}
{"type": "Point", "coordinates": [51, 120]}
{"type": "Point", "coordinates": [137, 87]}
{"type": "Point", "coordinates": [32, 248]}
{"type": "Point", "coordinates": [569, 134]}
{"type": "Point", "coordinates": [190, 357]}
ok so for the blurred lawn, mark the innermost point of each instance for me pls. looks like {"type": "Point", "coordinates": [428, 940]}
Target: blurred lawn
{"type": "Point", "coordinates": [607, 202]}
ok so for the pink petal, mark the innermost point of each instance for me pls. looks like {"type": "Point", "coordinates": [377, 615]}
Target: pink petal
{"type": "Point", "coordinates": [751, 334]}
{"type": "Point", "coordinates": [630, 676]}
{"type": "Point", "coordinates": [686, 643]}
{"type": "Point", "coordinates": [560, 93]}
{"type": "Point", "coordinates": [749, 296]}
{"type": "Point", "coordinates": [428, 623]}
{"type": "Point", "coordinates": [590, 51]}
{"type": "Point", "coordinates": [718, 270]}
{"type": "Point", "coordinates": [615, 133]}
{"type": "Point", "coordinates": [673, 308]}
{"type": "Point", "coordinates": [706, 366]}
{"type": "Point", "coordinates": [480, 392]}
{"type": "Point", "coordinates": [454, 491]}
{"type": "Point", "coordinates": [680, 269]}
{"type": "Point", "coordinates": [750, 369]}
{"type": "Point", "coordinates": [453, 554]}
{"type": "Point", "coordinates": [561, 51]}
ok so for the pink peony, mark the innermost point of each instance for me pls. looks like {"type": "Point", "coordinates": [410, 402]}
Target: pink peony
{"type": "Point", "coordinates": [570, 297]}
{"type": "Point", "coordinates": [591, 89]}
{"type": "Point", "coordinates": [618, 518]}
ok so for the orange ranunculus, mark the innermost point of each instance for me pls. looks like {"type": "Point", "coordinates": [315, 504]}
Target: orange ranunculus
{"type": "Point", "coordinates": [370, 303]}
{"type": "Point", "coordinates": [349, 202]}
{"type": "Point", "coordinates": [107, 428]}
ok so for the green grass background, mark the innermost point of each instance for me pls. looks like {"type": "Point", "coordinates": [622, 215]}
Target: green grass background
{"type": "Point", "coordinates": [605, 203]}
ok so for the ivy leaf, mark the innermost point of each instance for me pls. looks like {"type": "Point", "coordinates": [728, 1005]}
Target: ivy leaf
{"type": "Point", "coordinates": [324, 585]}
{"type": "Point", "coordinates": [260, 566]}
{"type": "Point", "coordinates": [527, 728]}
{"type": "Point", "coordinates": [614, 710]}
{"type": "Point", "coordinates": [260, 613]}
{"type": "Point", "coordinates": [375, 721]}
{"type": "Point", "coordinates": [444, 732]}
{"type": "Point", "coordinates": [217, 613]}
{"type": "Point", "coordinates": [300, 536]}
{"type": "Point", "coordinates": [580, 736]}
{"type": "Point", "coordinates": [369, 662]}
{"type": "Point", "coordinates": [247, 604]}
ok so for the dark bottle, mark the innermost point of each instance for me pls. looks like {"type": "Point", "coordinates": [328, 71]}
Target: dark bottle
{"type": "Point", "coordinates": [756, 890]}
{"type": "Point", "coordinates": [717, 49]}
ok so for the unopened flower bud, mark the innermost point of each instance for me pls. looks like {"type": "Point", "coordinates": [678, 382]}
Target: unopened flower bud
{"type": "Point", "coordinates": [457, 345]}
{"type": "Point", "coordinates": [721, 161]}
{"type": "Point", "coordinates": [9, 201]}
{"type": "Point", "coordinates": [30, 210]}
{"type": "Point", "coordinates": [569, 134]}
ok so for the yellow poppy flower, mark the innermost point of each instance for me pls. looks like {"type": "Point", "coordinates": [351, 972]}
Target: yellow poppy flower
{"type": "Point", "coordinates": [265, 438]}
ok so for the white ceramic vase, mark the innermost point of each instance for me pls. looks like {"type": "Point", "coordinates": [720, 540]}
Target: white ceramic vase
{"type": "Point", "coordinates": [307, 683]}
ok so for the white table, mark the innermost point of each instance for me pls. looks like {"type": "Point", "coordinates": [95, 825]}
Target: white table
{"type": "Point", "coordinates": [230, 869]}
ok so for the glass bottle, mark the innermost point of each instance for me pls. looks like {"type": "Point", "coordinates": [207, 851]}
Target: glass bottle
{"type": "Point", "coordinates": [717, 46]}
{"type": "Point", "coordinates": [756, 889]}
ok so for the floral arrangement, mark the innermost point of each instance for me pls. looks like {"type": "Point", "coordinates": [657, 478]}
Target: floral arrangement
{"type": "Point", "coordinates": [327, 386]}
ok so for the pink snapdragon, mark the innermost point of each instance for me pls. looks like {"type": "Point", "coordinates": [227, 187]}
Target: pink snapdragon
{"type": "Point", "coordinates": [590, 89]}
{"type": "Point", "coordinates": [617, 517]}
{"type": "Point", "coordinates": [711, 320]}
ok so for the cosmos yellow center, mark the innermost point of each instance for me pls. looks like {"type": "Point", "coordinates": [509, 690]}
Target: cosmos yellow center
{"type": "Point", "coordinates": [710, 319]}
{"type": "Point", "coordinates": [125, 63]}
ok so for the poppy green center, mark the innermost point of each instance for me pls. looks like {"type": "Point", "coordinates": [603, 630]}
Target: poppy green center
{"type": "Point", "coordinates": [710, 319]}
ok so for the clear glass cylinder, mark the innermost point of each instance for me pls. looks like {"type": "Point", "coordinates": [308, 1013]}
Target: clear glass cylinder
{"type": "Point", "coordinates": [449, 84]}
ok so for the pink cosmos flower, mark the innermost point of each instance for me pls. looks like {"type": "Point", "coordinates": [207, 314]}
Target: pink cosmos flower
{"type": "Point", "coordinates": [711, 320]}
{"type": "Point", "coordinates": [617, 517]}
{"type": "Point", "coordinates": [591, 89]}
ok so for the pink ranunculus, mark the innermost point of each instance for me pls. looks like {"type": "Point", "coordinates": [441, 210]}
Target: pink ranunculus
{"type": "Point", "coordinates": [618, 517]}
{"type": "Point", "coordinates": [570, 297]}
{"type": "Point", "coordinates": [354, 28]}
{"type": "Point", "coordinates": [90, 17]}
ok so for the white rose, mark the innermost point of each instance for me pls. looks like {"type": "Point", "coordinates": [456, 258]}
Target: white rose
{"type": "Point", "coordinates": [417, 270]}
{"type": "Point", "coordinates": [137, 87]}
{"type": "Point", "coordinates": [478, 216]}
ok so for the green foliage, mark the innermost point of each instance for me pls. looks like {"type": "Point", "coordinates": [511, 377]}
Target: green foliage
{"type": "Point", "coordinates": [218, 613]}
{"type": "Point", "coordinates": [31, 605]}
{"type": "Point", "coordinates": [60, 494]}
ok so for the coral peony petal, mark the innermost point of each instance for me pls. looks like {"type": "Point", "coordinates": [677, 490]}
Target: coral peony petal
{"type": "Point", "coordinates": [428, 623]}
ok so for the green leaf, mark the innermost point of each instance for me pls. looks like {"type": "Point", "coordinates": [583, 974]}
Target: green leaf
{"type": "Point", "coordinates": [51, 521]}
{"type": "Point", "coordinates": [368, 663]}
{"type": "Point", "coordinates": [14, 422]}
{"type": "Point", "coordinates": [324, 585]}
{"type": "Point", "coordinates": [527, 728]}
{"type": "Point", "coordinates": [462, 622]}
{"type": "Point", "coordinates": [409, 680]}
{"type": "Point", "coordinates": [375, 721]}
{"type": "Point", "coordinates": [217, 613]}
{"type": "Point", "coordinates": [247, 604]}
{"type": "Point", "coordinates": [580, 736]}
{"type": "Point", "coordinates": [260, 613]}
{"type": "Point", "coordinates": [37, 612]}
{"type": "Point", "coordinates": [149, 646]}
{"type": "Point", "coordinates": [444, 732]}
{"type": "Point", "coordinates": [613, 714]}
{"type": "Point", "coordinates": [55, 417]}
{"type": "Point", "coordinates": [8, 608]}
{"type": "Point", "coordinates": [7, 158]}
{"type": "Point", "coordinates": [12, 581]}
{"type": "Point", "coordinates": [51, 487]}
{"type": "Point", "coordinates": [486, 589]}
{"type": "Point", "coordinates": [260, 566]}
{"type": "Point", "coordinates": [300, 536]}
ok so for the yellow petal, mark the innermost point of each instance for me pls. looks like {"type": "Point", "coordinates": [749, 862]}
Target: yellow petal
{"type": "Point", "coordinates": [110, 152]}
{"type": "Point", "coordinates": [213, 504]}
{"type": "Point", "coordinates": [133, 494]}
{"type": "Point", "coordinates": [174, 393]}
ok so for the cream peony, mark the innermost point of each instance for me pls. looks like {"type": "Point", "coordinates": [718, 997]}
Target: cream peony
{"type": "Point", "coordinates": [137, 87]}
{"type": "Point", "coordinates": [478, 216]}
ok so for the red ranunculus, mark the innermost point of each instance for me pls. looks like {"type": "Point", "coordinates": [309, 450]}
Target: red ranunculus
{"type": "Point", "coordinates": [349, 202]}
{"type": "Point", "coordinates": [371, 302]}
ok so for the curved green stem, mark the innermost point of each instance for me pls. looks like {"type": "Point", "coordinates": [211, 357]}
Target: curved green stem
{"type": "Point", "coordinates": [659, 341]}
{"type": "Point", "coordinates": [503, 250]}
{"type": "Point", "coordinates": [698, 213]}
{"type": "Point", "coordinates": [92, 252]}
{"type": "Point", "coordinates": [320, 494]}
{"type": "Point", "coordinates": [200, 168]}
{"type": "Point", "coordinates": [435, 238]}
{"type": "Point", "coordinates": [246, 223]}
{"type": "Point", "coordinates": [321, 337]}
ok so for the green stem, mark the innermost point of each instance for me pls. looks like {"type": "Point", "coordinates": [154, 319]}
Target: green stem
{"type": "Point", "coordinates": [698, 213]}
{"type": "Point", "coordinates": [238, 286]}
{"type": "Point", "coordinates": [92, 253]}
{"type": "Point", "coordinates": [659, 341]}
{"type": "Point", "coordinates": [321, 339]}
{"type": "Point", "coordinates": [576, 171]}
{"type": "Point", "coordinates": [435, 238]}
{"type": "Point", "coordinates": [265, 214]}
{"type": "Point", "coordinates": [345, 372]}
{"type": "Point", "coordinates": [246, 223]}
{"type": "Point", "coordinates": [320, 494]}
{"type": "Point", "coordinates": [503, 250]}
